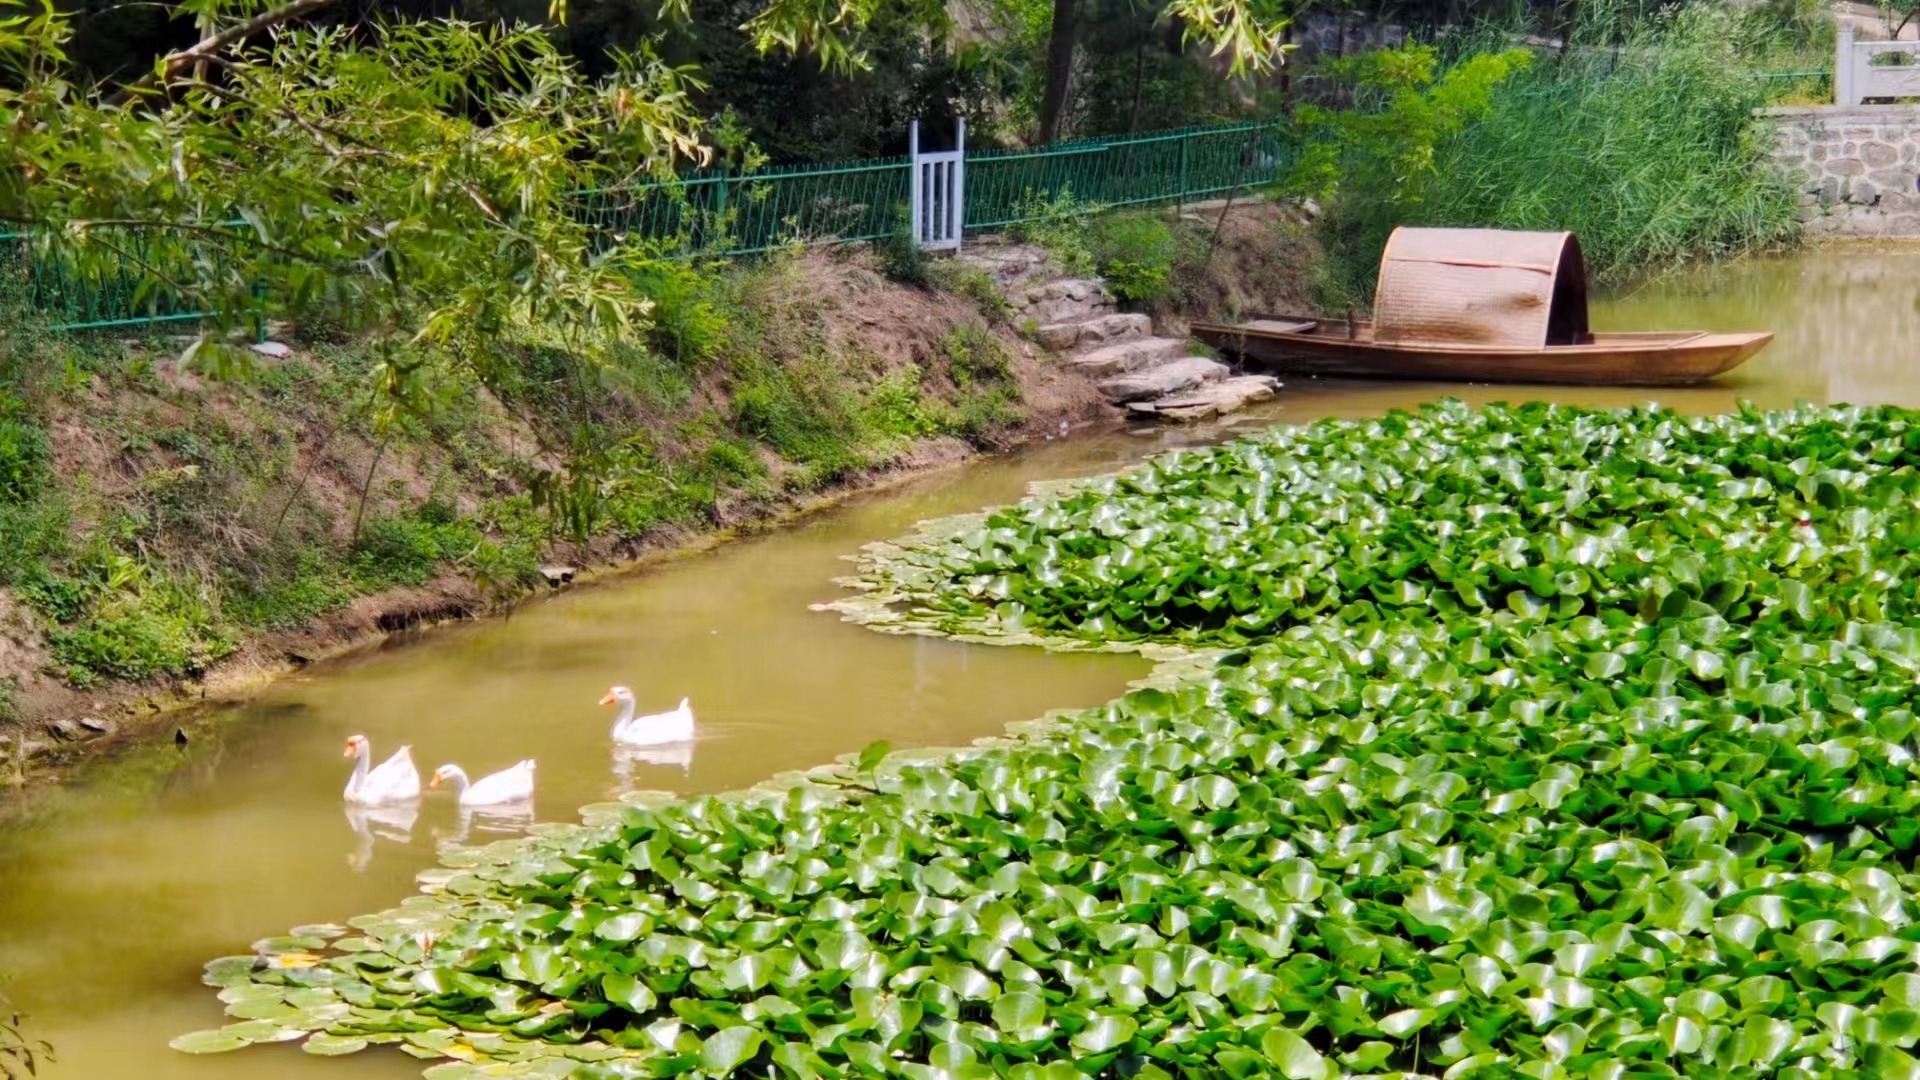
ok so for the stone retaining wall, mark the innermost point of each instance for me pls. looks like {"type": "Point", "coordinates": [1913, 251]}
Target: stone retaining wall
{"type": "Point", "coordinates": [1858, 168]}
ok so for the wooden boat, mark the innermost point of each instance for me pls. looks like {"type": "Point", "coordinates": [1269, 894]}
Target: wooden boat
{"type": "Point", "coordinates": [1310, 346]}
{"type": "Point", "coordinates": [1481, 305]}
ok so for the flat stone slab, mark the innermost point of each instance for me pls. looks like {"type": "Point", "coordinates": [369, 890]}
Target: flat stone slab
{"type": "Point", "coordinates": [1122, 357]}
{"type": "Point", "coordinates": [1213, 399]}
{"type": "Point", "coordinates": [1068, 289]}
{"type": "Point", "coordinates": [1060, 309]}
{"type": "Point", "coordinates": [1163, 380]}
{"type": "Point", "coordinates": [1097, 330]}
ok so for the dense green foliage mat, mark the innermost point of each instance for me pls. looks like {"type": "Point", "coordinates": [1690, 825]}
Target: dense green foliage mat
{"type": "Point", "coordinates": [1576, 745]}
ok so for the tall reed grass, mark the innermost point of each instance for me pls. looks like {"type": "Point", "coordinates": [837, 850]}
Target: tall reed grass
{"type": "Point", "coordinates": [1647, 147]}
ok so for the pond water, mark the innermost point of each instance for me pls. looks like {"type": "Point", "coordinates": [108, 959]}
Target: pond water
{"type": "Point", "coordinates": [119, 886]}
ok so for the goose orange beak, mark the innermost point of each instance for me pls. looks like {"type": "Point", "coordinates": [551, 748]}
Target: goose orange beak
{"type": "Point", "coordinates": [435, 782]}
{"type": "Point", "coordinates": [608, 700]}
{"type": "Point", "coordinates": [349, 751]}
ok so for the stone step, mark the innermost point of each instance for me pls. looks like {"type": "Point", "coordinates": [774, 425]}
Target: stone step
{"type": "Point", "coordinates": [1061, 309]}
{"type": "Point", "coordinates": [1097, 330]}
{"type": "Point", "coordinates": [1065, 300]}
{"type": "Point", "coordinates": [1068, 289]}
{"type": "Point", "coordinates": [1163, 380]}
{"type": "Point", "coordinates": [1122, 357]}
{"type": "Point", "coordinates": [1213, 399]}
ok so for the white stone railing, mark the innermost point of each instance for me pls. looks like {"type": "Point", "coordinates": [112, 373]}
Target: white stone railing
{"type": "Point", "coordinates": [1859, 73]}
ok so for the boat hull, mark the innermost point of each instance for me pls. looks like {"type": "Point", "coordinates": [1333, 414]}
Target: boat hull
{"type": "Point", "coordinates": [1309, 346]}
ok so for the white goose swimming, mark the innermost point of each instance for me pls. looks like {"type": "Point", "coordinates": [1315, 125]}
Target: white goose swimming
{"type": "Point", "coordinates": [396, 780]}
{"type": "Point", "coordinates": [656, 730]}
{"type": "Point", "coordinates": [510, 785]}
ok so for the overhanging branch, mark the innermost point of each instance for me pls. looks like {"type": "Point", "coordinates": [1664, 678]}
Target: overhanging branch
{"type": "Point", "coordinates": [207, 47]}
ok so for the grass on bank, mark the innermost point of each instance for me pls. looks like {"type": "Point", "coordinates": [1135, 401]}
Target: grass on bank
{"type": "Point", "coordinates": [186, 517]}
{"type": "Point", "coordinates": [1649, 150]}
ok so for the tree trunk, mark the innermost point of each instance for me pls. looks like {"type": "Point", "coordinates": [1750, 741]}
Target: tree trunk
{"type": "Point", "coordinates": [1139, 80]}
{"type": "Point", "coordinates": [1286, 73]}
{"type": "Point", "coordinates": [1060, 42]}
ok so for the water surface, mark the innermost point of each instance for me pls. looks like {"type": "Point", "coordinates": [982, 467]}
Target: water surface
{"type": "Point", "coordinates": [118, 888]}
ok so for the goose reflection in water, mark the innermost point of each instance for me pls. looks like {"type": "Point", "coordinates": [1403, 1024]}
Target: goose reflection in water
{"type": "Point", "coordinates": [394, 823]}
{"type": "Point", "coordinates": [627, 759]}
{"type": "Point", "coordinates": [506, 819]}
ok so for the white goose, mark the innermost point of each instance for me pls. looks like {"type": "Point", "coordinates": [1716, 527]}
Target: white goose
{"type": "Point", "coordinates": [656, 730]}
{"type": "Point", "coordinates": [396, 780]}
{"type": "Point", "coordinates": [506, 786]}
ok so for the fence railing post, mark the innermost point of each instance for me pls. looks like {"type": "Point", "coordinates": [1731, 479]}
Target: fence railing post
{"type": "Point", "coordinates": [960, 186]}
{"type": "Point", "coordinates": [914, 193]}
{"type": "Point", "coordinates": [1843, 65]}
{"type": "Point", "coordinates": [1180, 196]}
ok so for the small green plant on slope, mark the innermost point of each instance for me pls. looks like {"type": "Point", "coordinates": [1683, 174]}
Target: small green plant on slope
{"type": "Point", "coordinates": [1057, 223]}
{"type": "Point", "coordinates": [805, 410]}
{"type": "Point", "coordinates": [982, 372]}
{"type": "Point", "coordinates": [687, 323]}
{"type": "Point", "coordinates": [1135, 254]}
{"type": "Point", "coordinates": [901, 257]}
{"type": "Point", "coordinates": [960, 279]}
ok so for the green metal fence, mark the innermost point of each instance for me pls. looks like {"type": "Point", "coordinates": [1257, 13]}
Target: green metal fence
{"type": "Point", "coordinates": [714, 213]}
{"type": "Point", "coordinates": [721, 214]}
{"type": "Point", "coordinates": [113, 278]}
{"type": "Point", "coordinates": [1007, 187]}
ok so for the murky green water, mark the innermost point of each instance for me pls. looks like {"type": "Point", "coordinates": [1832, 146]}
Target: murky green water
{"type": "Point", "coordinates": [121, 886]}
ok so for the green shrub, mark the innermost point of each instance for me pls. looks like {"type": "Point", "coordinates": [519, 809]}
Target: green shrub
{"type": "Point", "coordinates": [155, 626]}
{"type": "Point", "coordinates": [501, 568]}
{"type": "Point", "coordinates": [1651, 160]}
{"type": "Point", "coordinates": [30, 534]}
{"type": "Point", "coordinates": [686, 324]}
{"type": "Point", "coordinates": [1058, 224]}
{"type": "Point", "coordinates": [985, 412]}
{"type": "Point", "coordinates": [974, 355]}
{"type": "Point", "coordinates": [641, 492]}
{"type": "Point", "coordinates": [23, 458]}
{"type": "Point", "coordinates": [407, 549]}
{"type": "Point", "coordinates": [897, 406]}
{"type": "Point", "coordinates": [1135, 253]}
{"type": "Point", "coordinates": [733, 461]}
{"type": "Point", "coordinates": [805, 411]}
{"type": "Point", "coordinates": [901, 258]}
{"type": "Point", "coordinates": [962, 280]}
{"type": "Point", "coordinates": [314, 584]}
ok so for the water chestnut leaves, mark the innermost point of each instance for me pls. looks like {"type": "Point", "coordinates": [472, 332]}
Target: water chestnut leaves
{"type": "Point", "coordinates": [1527, 741]}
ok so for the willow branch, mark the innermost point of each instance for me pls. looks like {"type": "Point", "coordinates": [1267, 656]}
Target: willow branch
{"type": "Point", "coordinates": [207, 47]}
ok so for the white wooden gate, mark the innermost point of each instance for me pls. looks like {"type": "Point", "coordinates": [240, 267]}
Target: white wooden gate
{"type": "Point", "coordinates": [1876, 70]}
{"type": "Point", "coordinates": [937, 191]}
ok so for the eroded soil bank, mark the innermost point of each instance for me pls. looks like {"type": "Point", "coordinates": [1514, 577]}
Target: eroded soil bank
{"type": "Point", "coordinates": [179, 539]}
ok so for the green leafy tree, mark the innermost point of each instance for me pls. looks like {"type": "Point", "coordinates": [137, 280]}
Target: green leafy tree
{"type": "Point", "coordinates": [1383, 153]}
{"type": "Point", "coordinates": [418, 177]}
{"type": "Point", "coordinates": [1248, 35]}
{"type": "Point", "coordinates": [1370, 165]}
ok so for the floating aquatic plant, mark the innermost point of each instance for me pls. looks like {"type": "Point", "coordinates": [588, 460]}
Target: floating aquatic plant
{"type": "Point", "coordinates": [1645, 806]}
{"type": "Point", "coordinates": [1450, 514]}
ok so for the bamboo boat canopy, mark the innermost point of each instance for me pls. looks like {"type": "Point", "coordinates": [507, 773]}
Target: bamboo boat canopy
{"type": "Point", "coordinates": [1482, 287]}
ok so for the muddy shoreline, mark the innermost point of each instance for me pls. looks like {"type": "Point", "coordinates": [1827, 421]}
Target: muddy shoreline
{"type": "Point", "coordinates": [137, 714]}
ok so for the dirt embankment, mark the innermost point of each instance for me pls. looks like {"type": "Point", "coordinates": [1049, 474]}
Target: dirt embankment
{"type": "Point", "coordinates": [195, 539]}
